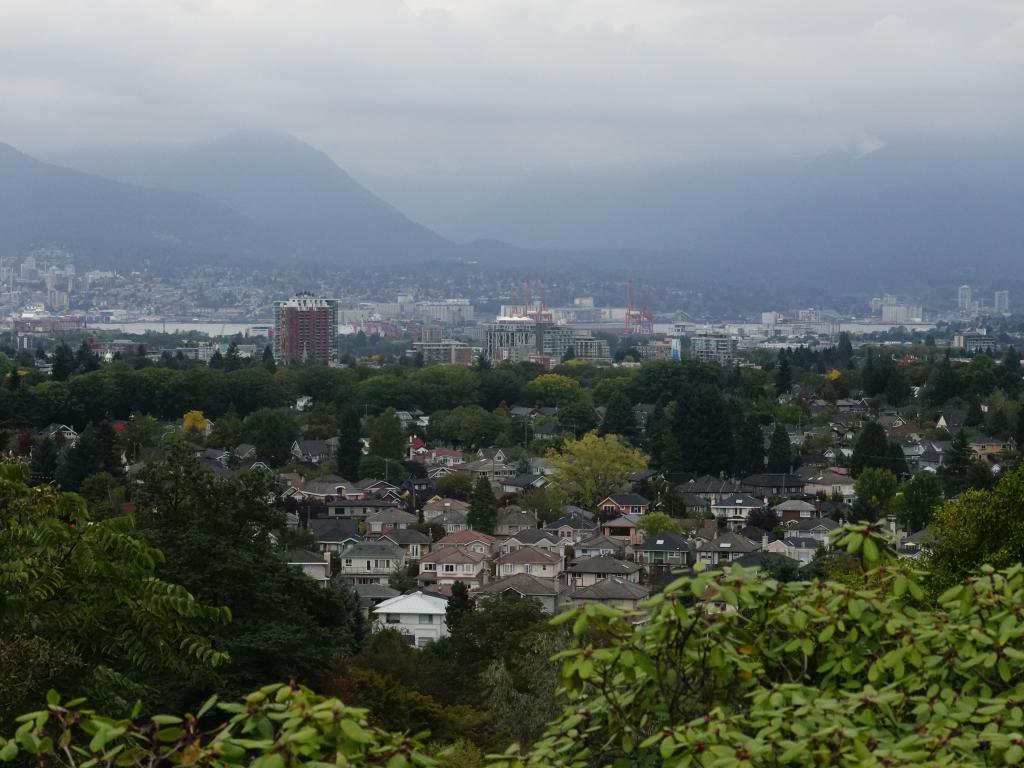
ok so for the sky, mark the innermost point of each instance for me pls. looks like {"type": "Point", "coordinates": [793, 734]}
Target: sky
{"type": "Point", "coordinates": [396, 86]}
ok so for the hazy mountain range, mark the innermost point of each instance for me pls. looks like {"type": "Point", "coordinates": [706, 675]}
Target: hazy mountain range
{"type": "Point", "coordinates": [249, 197]}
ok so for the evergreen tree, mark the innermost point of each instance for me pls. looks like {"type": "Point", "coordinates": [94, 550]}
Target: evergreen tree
{"type": "Point", "coordinates": [703, 432]}
{"type": "Point", "coordinates": [943, 383]}
{"type": "Point", "coordinates": [955, 464]}
{"type": "Point", "coordinates": [974, 415]}
{"type": "Point", "coordinates": [619, 418]}
{"type": "Point", "coordinates": [268, 359]}
{"type": "Point", "coordinates": [85, 359]}
{"type": "Point", "coordinates": [780, 452]}
{"type": "Point", "coordinates": [217, 360]}
{"type": "Point", "coordinates": [387, 439]}
{"type": "Point", "coordinates": [897, 390]}
{"type": "Point", "coordinates": [844, 351]}
{"type": "Point", "coordinates": [1018, 433]}
{"type": "Point", "coordinates": [871, 449]}
{"type": "Point", "coordinates": [897, 460]}
{"type": "Point", "coordinates": [232, 361]}
{"type": "Point", "coordinates": [459, 605]}
{"type": "Point", "coordinates": [350, 449]}
{"type": "Point", "coordinates": [14, 378]}
{"type": "Point", "coordinates": [63, 362]}
{"type": "Point", "coordinates": [979, 476]}
{"type": "Point", "coordinates": [44, 461]}
{"type": "Point", "coordinates": [94, 452]}
{"type": "Point", "coordinates": [483, 507]}
{"type": "Point", "coordinates": [577, 417]}
{"type": "Point", "coordinates": [783, 375]}
{"type": "Point", "coordinates": [750, 448]}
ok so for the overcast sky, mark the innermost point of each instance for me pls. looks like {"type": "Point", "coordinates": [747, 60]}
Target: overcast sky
{"type": "Point", "coordinates": [393, 86]}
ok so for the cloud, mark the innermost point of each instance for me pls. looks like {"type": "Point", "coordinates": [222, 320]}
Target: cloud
{"type": "Point", "coordinates": [405, 84]}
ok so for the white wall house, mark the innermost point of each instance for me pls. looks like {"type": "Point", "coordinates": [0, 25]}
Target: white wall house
{"type": "Point", "coordinates": [418, 616]}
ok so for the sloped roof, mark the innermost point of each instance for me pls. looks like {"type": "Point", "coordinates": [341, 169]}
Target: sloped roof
{"type": "Point", "coordinates": [391, 515]}
{"type": "Point", "coordinates": [664, 542]}
{"type": "Point", "coordinates": [794, 505]}
{"type": "Point", "coordinates": [405, 536]}
{"type": "Point", "coordinates": [529, 555]}
{"type": "Point", "coordinates": [452, 555]}
{"type": "Point", "coordinates": [414, 603]}
{"type": "Point", "coordinates": [304, 556]}
{"type": "Point", "coordinates": [739, 500]}
{"type": "Point", "coordinates": [465, 537]}
{"type": "Point", "coordinates": [524, 584]}
{"type": "Point", "coordinates": [729, 542]}
{"type": "Point", "coordinates": [603, 564]}
{"type": "Point", "coordinates": [612, 589]}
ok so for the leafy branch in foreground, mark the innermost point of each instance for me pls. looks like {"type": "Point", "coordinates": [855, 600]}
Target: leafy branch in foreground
{"type": "Point", "coordinates": [275, 726]}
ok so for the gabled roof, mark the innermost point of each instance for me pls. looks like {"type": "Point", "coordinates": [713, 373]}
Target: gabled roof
{"type": "Point", "coordinates": [513, 515]}
{"type": "Point", "coordinates": [694, 501]}
{"type": "Point", "coordinates": [403, 537]}
{"type": "Point", "coordinates": [414, 603]}
{"type": "Point", "coordinates": [664, 542]}
{"type": "Point", "coordinates": [529, 555]}
{"type": "Point", "coordinates": [373, 549]}
{"type": "Point", "coordinates": [462, 538]}
{"type": "Point", "coordinates": [622, 521]}
{"type": "Point", "coordinates": [312, 446]}
{"type": "Point", "coordinates": [452, 555]}
{"type": "Point", "coordinates": [391, 515]}
{"type": "Point", "coordinates": [305, 557]}
{"type": "Point", "coordinates": [739, 501]}
{"type": "Point", "coordinates": [729, 542]}
{"type": "Point", "coordinates": [812, 523]}
{"type": "Point", "coordinates": [709, 484]}
{"type": "Point", "coordinates": [375, 591]}
{"type": "Point", "coordinates": [333, 528]}
{"type": "Point", "coordinates": [612, 589]}
{"type": "Point", "coordinates": [627, 500]}
{"type": "Point", "coordinates": [523, 584]}
{"type": "Point", "coordinates": [600, 542]}
{"type": "Point", "coordinates": [533, 536]}
{"type": "Point", "coordinates": [794, 505]}
{"type": "Point", "coordinates": [774, 480]}
{"type": "Point", "coordinates": [603, 564]}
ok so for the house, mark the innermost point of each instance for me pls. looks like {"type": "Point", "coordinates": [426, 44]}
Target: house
{"type": "Point", "coordinates": [452, 521]}
{"type": "Point", "coordinates": [533, 537]}
{"type": "Point", "coordinates": [711, 488]}
{"type": "Point", "coordinates": [735, 509]}
{"type": "Point", "coordinates": [446, 457]}
{"type": "Point", "coordinates": [62, 434]}
{"type": "Point", "coordinates": [951, 420]}
{"type": "Point", "coordinates": [523, 483]}
{"type": "Point", "coordinates": [795, 509]}
{"type": "Point", "coordinates": [417, 616]}
{"type": "Point", "coordinates": [598, 546]}
{"type": "Point", "coordinates": [389, 519]}
{"type": "Point", "coordinates": [663, 552]}
{"type": "Point", "coordinates": [550, 593]}
{"type": "Point", "coordinates": [311, 451]}
{"type": "Point", "coordinates": [370, 562]}
{"type": "Point", "coordinates": [615, 592]}
{"type": "Point", "coordinates": [625, 528]}
{"type": "Point", "coordinates": [932, 455]}
{"type": "Point", "coordinates": [512, 519]}
{"type": "Point", "coordinates": [695, 503]}
{"type": "Point", "coordinates": [837, 454]}
{"type": "Point", "coordinates": [590, 570]}
{"type": "Point", "coordinates": [414, 543]}
{"type": "Point", "coordinates": [372, 595]}
{"type": "Point", "coordinates": [801, 550]}
{"type": "Point", "coordinates": [642, 413]}
{"type": "Point", "coordinates": [850, 405]}
{"type": "Point", "coordinates": [474, 541]}
{"type": "Point", "coordinates": [914, 545]}
{"type": "Point", "coordinates": [244, 452]}
{"type": "Point", "coordinates": [358, 509]}
{"type": "Point", "coordinates": [547, 430]}
{"type": "Point", "coordinates": [438, 506]}
{"type": "Point", "coordinates": [532, 561]}
{"type": "Point", "coordinates": [333, 534]}
{"type": "Point", "coordinates": [624, 504]}
{"type": "Point", "coordinates": [817, 528]}
{"type": "Point", "coordinates": [487, 468]}
{"type": "Point", "coordinates": [829, 482]}
{"type": "Point", "coordinates": [443, 567]}
{"type": "Point", "coordinates": [773, 484]}
{"type": "Point", "coordinates": [576, 525]}
{"type": "Point", "coordinates": [986, 448]}
{"type": "Point", "coordinates": [316, 565]}
{"type": "Point", "coordinates": [492, 454]}
{"type": "Point", "coordinates": [725, 549]}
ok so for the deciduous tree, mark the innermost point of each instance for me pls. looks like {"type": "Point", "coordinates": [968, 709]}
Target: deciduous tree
{"type": "Point", "coordinates": [589, 469]}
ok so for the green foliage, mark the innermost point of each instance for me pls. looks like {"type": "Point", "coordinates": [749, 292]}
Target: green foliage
{"type": "Point", "coordinates": [378, 468]}
{"type": "Point", "coordinates": [81, 603]}
{"type": "Point", "coordinates": [870, 450]}
{"type": "Point", "coordinates": [94, 452]}
{"type": "Point", "coordinates": [350, 449]}
{"type": "Point", "coordinates": [780, 453]}
{"type": "Point", "coordinates": [875, 489]}
{"type": "Point", "coordinates": [553, 389]}
{"type": "Point", "coordinates": [483, 507]}
{"type": "Point", "coordinates": [459, 605]}
{"type": "Point", "coordinates": [750, 448]}
{"type": "Point", "coordinates": [917, 501]}
{"type": "Point", "coordinates": [547, 503]}
{"type": "Point", "coordinates": [269, 728]}
{"type": "Point", "coordinates": [735, 669]}
{"type": "Point", "coordinates": [272, 431]}
{"type": "Point", "coordinates": [654, 523]}
{"type": "Point", "coordinates": [619, 418]}
{"type": "Point", "coordinates": [589, 469]}
{"type": "Point", "coordinates": [702, 430]}
{"type": "Point", "coordinates": [387, 439]}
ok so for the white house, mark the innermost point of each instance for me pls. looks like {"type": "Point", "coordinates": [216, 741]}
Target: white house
{"type": "Point", "coordinates": [419, 617]}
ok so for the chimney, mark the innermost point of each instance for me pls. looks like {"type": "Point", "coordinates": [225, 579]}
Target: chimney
{"type": "Point", "coordinates": [764, 541]}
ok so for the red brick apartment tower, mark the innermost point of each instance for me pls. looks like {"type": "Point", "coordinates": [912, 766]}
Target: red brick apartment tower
{"type": "Point", "coordinates": [306, 329]}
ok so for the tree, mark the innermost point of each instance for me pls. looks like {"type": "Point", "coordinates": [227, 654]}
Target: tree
{"type": "Point", "coordinates": [194, 425]}
{"type": "Point", "coordinates": [577, 417]}
{"type": "Point", "coordinates": [268, 360]}
{"type": "Point", "coordinates": [750, 448]}
{"type": "Point", "coordinates": [619, 418]}
{"type": "Point", "coordinates": [402, 579]}
{"type": "Point", "coordinates": [88, 611]}
{"type": "Point", "coordinates": [387, 439]}
{"type": "Point", "coordinates": [272, 431]}
{"type": "Point", "coordinates": [897, 390]}
{"type": "Point", "coordinates": [217, 535]}
{"type": "Point", "coordinates": [844, 351]}
{"type": "Point", "coordinates": [870, 450]}
{"type": "Point", "coordinates": [456, 486]}
{"type": "Point", "coordinates": [763, 518]}
{"type": "Point", "coordinates": [897, 460]}
{"type": "Point", "coordinates": [458, 606]}
{"type": "Point", "coordinates": [94, 452]}
{"type": "Point", "coordinates": [589, 469]}
{"type": "Point", "coordinates": [85, 359]}
{"type": "Point", "coordinates": [104, 494]}
{"type": "Point", "coordinates": [702, 430]}
{"type": "Point", "coordinates": [783, 376]}
{"type": "Point", "coordinates": [956, 462]}
{"type": "Point", "coordinates": [654, 523]}
{"type": "Point", "coordinates": [875, 489]}
{"type": "Point", "coordinates": [44, 461]}
{"type": "Point", "coordinates": [350, 447]}
{"type": "Point", "coordinates": [917, 501]}
{"type": "Point", "coordinates": [780, 453]}
{"type": "Point", "coordinates": [63, 362]}
{"type": "Point", "coordinates": [553, 389]}
{"type": "Point", "coordinates": [216, 360]}
{"type": "Point", "coordinates": [379, 468]}
{"type": "Point", "coordinates": [547, 503]}
{"type": "Point", "coordinates": [483, 507]}
{"type": "Point", "coordinates": [232, 360]}
{"type": "Point", "coordinates": [974, 416]}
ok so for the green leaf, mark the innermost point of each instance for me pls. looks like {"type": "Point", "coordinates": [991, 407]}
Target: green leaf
{"type": "Point", "coordinates": [354, 731]}
{"type": "Point", "coordinates": [9, 751]}
{"type": "Point", "coordinates": [52, 698]}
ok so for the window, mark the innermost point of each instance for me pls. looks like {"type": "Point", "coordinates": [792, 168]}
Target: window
{"type": "Point", "coordinates": [369, 565]}
{"type": "Point", "coordinates": [527, 568]}
{"type": "Point", "coordinates": [449, 568]}
{"type": "Point", "coordinates": [348, 562]}
{"type": "Point", "coordinates": [426, 618]}
{"type": "Point", "coordinates": [414, 550]}
{"type": "Point", "coordinates": [805, 513]}
{"type": "Point", "coordinates": [507, 568]}
{"type": "Point", "coordinates": [392, 618]}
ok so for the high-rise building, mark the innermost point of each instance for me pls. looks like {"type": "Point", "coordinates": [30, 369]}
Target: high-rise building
{"type": "Point", "coordinates": [1002, 302]}
{"type": "Point", "coordinates": [964, 300]}
{"type": "Point", "coordinates": [306, 329]}
{"type": "Point", "coordinates": [713, 347]}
